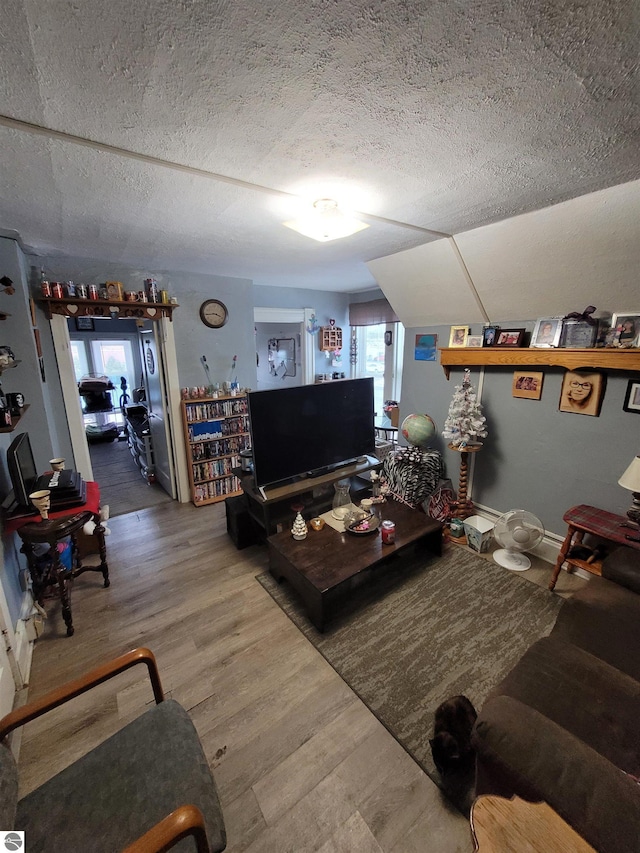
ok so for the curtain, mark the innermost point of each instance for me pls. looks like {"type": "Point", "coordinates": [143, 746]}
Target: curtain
{"type": "Point", "coordinates": [371, 313]}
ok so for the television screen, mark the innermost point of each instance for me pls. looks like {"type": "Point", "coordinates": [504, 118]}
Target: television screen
{"type": "Point", "coordinates": [306, 429]}
{"type": "Point", "coordinates": [22, 468]}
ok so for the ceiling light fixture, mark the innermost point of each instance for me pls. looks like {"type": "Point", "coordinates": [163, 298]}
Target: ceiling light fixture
{"type": "Point", "coordinates": [326, 222]}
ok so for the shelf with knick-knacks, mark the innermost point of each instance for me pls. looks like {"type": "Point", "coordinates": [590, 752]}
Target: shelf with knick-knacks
{"type": "Point", "coordinates": [330, 338]}
{"type": "Point", "coordinates": [606, 358]}
{"type": "Point", "coordinates": [108, 308]}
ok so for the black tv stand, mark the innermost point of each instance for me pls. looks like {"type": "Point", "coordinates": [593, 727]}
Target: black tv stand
{"type": "Point", "coordinates": [270, 506]}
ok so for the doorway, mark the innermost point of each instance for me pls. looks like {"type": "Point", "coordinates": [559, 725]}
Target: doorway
{"type": "Point", "coordinates": [115, 421]}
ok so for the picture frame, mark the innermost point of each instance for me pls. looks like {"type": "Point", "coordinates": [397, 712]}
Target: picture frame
{"type": "Point", "coordinates": [578, 334]}
{"type": "Point", "coordinates": [458, 336]}
{"type": "Point", "coordinates": [114, 291]}
{"type": "Point", "coordinates": [632, 397]}
{"type": "Point", "coordinates": [474, 340]}
{"type": "Point", "coordinates": [509, 338]}
{"type": "Point", "coordinates": [546, 332]}
{"type": "Point", "coordinates": [85, 324]}
{"type": "Point", "coordinates": [489, 334]}
{"type": "Point", "coordinates": [527, 384]}
{"type": "Point", "coordinates": [582, 393]}
{"type": "Point", "coordinates": [425, 349]}
{"type": "Point", "coordinates": [622, 335]}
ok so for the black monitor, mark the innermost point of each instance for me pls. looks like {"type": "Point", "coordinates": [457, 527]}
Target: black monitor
{"type": "Point", "coordinates": [22, 468]}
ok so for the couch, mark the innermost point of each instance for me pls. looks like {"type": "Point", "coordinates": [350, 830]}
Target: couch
{"type": "Point", "coordinates": [146, 788]}
{"type": "Point", "coordinates": [564, 724]}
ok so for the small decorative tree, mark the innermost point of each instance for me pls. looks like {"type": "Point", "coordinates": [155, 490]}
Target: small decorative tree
{"type": "Point", "coordinates": [464, 426]}
{"type": "Point", "coordinates": [465, 423]}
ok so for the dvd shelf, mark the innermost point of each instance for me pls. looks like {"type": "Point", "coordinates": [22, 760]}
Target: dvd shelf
{"type": "Point", "coordinates": [215, 431]}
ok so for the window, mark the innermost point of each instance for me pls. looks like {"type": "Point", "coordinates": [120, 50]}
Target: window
{"type": "Point", "coordinates": [382, 362]}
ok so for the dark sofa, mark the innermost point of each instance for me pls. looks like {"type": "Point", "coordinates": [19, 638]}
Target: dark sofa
{"type": "Point", "coordinates": [564, 725]}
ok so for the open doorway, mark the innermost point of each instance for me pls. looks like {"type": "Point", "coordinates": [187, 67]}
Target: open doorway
{"type": "Point", "coordinates": [108, 366]}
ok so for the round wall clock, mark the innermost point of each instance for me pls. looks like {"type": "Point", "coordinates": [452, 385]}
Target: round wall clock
{"type": "Point", "coordinates": [214, 313]}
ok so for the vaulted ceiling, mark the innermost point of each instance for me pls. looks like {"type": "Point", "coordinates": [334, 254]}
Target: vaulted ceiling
{"type": "Point", "coordinates": [180, 135]}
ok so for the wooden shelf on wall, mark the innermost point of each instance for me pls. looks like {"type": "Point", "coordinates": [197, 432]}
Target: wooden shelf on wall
{"type": "Point", "coordinates": [103, 308]}
{"type": "Point", "coordinates": [16, 420]}
{"type": "Point", "coordinates": [571, 359]}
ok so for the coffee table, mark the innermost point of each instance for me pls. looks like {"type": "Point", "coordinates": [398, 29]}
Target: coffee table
{"type": "Point", "coordinates": [326, 566]}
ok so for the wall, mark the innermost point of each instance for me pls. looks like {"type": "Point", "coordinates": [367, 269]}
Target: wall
{"type": "Point", "coordinates": [535, 457]}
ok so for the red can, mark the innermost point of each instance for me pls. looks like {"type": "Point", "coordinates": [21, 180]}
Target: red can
{"type": "Point", "coordinates": [46, 288]}
{"type": "Point", "coordinates": [388, 532]}
{"type": "Point", "coordinates": [56, 290]}
{"type": "Point", "coordinates": [93, 291]}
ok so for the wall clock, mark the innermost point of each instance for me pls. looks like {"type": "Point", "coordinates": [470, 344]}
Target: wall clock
{"type": "Point", "coordinates": [214, 313]}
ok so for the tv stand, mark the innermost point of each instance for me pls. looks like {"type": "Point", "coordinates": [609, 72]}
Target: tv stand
{"type": "Point", "coordinates": [271, 506]}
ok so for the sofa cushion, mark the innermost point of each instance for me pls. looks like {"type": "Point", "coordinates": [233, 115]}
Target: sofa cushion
{"type": "Point", "coordinates": [8, 788]}
{"type": "Point", "coordinates": [623, 567]}
{"type": "Point", "coordinates": [603, 618]}
{"type": "Point", "coordinates": [583, 694]}
{"type": "Point", "coordinates": [519, 751]}
{"type": "Point", "coordinates": [115, 793]}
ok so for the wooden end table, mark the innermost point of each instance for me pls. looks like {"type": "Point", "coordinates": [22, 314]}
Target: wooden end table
{"type": "Point", "coordinates": [583, 519]}
{"type": "Point", "coordinates": [327, 565]}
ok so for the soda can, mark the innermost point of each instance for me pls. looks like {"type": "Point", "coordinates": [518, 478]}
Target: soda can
{"type": "Point", "coordinates": [71, 289]}
{"type": "Point", "coordinates": [46, 288]}
{"type": "Point", "coordinates": [56, 290]}
{"type": "Point", "coordinates": [93, 291]}
{"type": "Point", "coordinates": [81, 291]}
{"type": "Point", "coordinates": [388, 532]}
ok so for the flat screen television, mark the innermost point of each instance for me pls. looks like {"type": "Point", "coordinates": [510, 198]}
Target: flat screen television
{"type": "Point", "coordinates": [22, 468]}
{"type": "Point", "coordinates": [310, 429]}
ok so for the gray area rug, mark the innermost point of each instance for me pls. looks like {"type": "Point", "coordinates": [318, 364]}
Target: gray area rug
{"type": "Point", "coordinates": [443, 626]}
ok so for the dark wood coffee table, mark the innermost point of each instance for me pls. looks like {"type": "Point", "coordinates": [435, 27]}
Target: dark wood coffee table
{"type": "Point", "coordinates": [326, 566]}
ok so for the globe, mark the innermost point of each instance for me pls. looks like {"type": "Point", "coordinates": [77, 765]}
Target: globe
{"type": "Point", "coordinates": [419, 430]}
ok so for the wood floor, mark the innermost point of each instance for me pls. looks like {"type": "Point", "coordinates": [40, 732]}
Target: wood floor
{"type": "Point", "coordinates": [300, 762]}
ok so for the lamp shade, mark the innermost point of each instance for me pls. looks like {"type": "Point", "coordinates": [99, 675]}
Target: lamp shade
{"type": "Point", "coordinates": [631, 477]}
{"type": "Point", "coordinates": [326, 222]}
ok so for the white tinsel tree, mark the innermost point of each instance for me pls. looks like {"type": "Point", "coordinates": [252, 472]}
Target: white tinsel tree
{"type": "Point", "coordinates": [465, 423]}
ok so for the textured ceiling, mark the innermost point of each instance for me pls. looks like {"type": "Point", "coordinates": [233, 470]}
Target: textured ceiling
{"type": "Point", "coordinates": [443, 115]}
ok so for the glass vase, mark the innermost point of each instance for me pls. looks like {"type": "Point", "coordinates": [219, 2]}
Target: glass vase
{"type": "Point", "coordinates": [341, 499]}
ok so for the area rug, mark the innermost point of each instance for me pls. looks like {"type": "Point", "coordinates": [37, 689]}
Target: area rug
{"type": "Point", "coordinates": [444, 626]}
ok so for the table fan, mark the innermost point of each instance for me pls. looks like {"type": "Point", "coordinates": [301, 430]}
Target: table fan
{"type": "Point", "coordinates": [517, 531]}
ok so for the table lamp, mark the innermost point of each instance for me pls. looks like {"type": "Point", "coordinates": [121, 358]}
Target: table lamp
{"type": "Point", "coordinates": [631, 480]}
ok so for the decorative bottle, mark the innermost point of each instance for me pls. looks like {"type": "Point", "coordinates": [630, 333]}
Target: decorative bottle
{"type": "Point", "coordinates": [341, 499]}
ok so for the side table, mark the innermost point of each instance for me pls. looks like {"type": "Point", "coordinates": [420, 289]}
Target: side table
{"type": "Point", "coordinates": [583, 519]}
{"type": "Point", "coordinates": [51, 571]}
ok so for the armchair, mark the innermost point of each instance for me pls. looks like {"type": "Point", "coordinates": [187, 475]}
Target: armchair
{"type": "Point", "coordinates": [145, 789]}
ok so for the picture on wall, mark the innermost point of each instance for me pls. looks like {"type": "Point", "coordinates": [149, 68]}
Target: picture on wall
{"type": "Point", "coordinates": [510, 338]}
{"type": "Point", "coordinates": [546, 332]}
{"type": "Point", "coordinates": [425, 347]}
{"type": "Point", "coordinates": [582, 393]}
{"type": "Point", "coordinates": [458, 336]}
{"type": "Point", "coordinates": [527, 384]}
{"type": "Point", "coordinates": [632, 397]}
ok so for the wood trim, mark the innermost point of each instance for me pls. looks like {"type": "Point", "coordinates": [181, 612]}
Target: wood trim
{"type": "Point", "coordinates": [184, 821]}
{"type": "Point", "coordinates": [571, 359]}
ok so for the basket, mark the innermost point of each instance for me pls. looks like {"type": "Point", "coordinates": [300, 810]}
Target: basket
{"type": "Point", "coordinates": [383, 448]}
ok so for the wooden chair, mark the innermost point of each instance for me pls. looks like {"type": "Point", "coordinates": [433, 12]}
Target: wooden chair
{"type": "Point", "coordinates": [146, 788]}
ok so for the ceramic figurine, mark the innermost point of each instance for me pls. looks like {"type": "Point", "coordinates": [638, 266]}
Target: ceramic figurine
{"type": "Point", "coordinates": [299, 529]}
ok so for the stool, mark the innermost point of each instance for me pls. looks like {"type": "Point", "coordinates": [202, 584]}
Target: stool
{"type": "Point", "coordinates": [52, 572]}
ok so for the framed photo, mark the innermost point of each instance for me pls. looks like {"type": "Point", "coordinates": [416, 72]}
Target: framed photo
{"type": "Point", "coordinates": [458, 336]}
{"type": "Point", "coordinates": [474, 341]}
{"type": "Point", "coordinates": [627, 330]}
{"type": "Point", "coordinates": [489, 334]}
{"type": "Point", "coordinates": [527, 384]}
{"type": "Point", "coordinates": [546, 332]}
{"type": "Point", "coordinates": [114, 290]}
{"type": "Point", "coordinates": [578, 334]}
{"type": "Point", "coordinates": [509, 338]}
{"type": "Point", "coordinates": [425, 349]}
{"type": "Point", "coordinates": [632, 397]}
{"type": "Point", "coordinates": [582, 393]}
{"type": "Point", "coordinates": [85, 324]}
